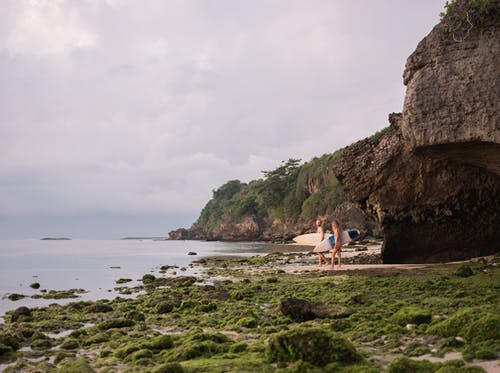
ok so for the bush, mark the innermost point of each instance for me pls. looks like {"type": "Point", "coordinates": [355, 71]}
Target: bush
{"type": "Point", "coordinates": [314, 345]}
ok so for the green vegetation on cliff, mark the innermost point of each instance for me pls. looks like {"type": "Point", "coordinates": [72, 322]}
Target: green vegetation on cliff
{"type": "Point", "coordinates": [288, 193]}
{"type": "Point", "coordinates": [462, 16]}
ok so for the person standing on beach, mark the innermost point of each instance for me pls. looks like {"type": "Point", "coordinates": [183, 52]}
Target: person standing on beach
{"type": "Point", "coordinates": [320, 229]}
{"type": "Point", "coordinates": [336, 242]}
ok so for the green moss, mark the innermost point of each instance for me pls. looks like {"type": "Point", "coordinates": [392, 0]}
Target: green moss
{"type": "Point", "coordinates": [238, 347]}
{"type": "Point", "coordinates": [247, 322]}
{"type": "Point", "coordinates": [402, 364]}
{"type": "Point", "coordinates": [484, 329]}
{"type": "Point", "coordinates": [116, 323]}
{"type": "Point", "coordinates": [60, 356]}
{"type": "Point", "coordinates": [164, 307]}
{"type": "Point", "coordinates": [123, 280]}
{"type": "Point", "coordinates": [76, 366]}
{"type": "Point", "coordinates": [412, 315]}
{"type": "Point", "coordinates": [464, 271]}
{"type": "Point", "coordinates": [70, 344]}
{"type": "Point", "coordinates": [125, 351]}
{"type": "Point", "coordinates": [99, 307]}
{"type": "Point", "coordinates": [309, 344]}
{"type": "Point", "coordinates": [161, 342]}
{"type": "Point", "coordinates": [169, 368]}
{"type": "Point", "coordinates": [142, 356]}
{"type": "Point", "coordinates": [148, 279]}
{"type": "Point", "coordinates": [455, 324]}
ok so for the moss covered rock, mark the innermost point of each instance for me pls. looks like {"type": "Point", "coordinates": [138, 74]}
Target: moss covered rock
{"type": "Point", "coordinates": [21, 314]}
{"type": "Point", "coordinates": [412, 315]}
{"type": "Point", "coordinates": [484, 329]}
{"type": "Point", "coordinates": [162, 342]}
{"type": "Point", "coordinates": [314, 345]}
{"type": "Point", "coordinates": [455, 325]}
{"type": "Point", "coordinates": [76, 366]}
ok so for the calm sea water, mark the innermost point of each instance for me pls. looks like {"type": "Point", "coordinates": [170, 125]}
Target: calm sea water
{"type": "Point", "coordinates": [95, 265]}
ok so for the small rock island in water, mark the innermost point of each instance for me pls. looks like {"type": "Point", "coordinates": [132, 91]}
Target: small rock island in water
{"type": "Point", "coordinates": [55, 239]}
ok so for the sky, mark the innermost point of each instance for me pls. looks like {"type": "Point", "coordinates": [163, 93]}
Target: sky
{"type": "Point", "coordinates": [119, 117]}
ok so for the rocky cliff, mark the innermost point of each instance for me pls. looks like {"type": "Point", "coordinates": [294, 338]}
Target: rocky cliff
{"type": "Point", "coordinates": [433, 179]}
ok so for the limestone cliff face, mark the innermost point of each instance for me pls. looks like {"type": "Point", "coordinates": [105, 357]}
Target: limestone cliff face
{"type": "Point", "coordinates": [433, 179]}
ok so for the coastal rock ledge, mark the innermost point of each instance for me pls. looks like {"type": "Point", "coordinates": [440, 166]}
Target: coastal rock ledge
{"type": "Point", "coordinates": [432, 179]}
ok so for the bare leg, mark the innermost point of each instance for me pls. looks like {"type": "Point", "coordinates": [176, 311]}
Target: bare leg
{"type": "Point", "coordinates": [339, 253]}
{"type": "Point", "coordinates": [333, 258]}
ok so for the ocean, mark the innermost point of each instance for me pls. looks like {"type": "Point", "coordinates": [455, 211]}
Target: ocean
{"type": "Point", "coordinates": [95, 265]}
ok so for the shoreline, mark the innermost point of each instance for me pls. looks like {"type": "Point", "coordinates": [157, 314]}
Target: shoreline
{"type": "Point", "coordinates": [386, 314]}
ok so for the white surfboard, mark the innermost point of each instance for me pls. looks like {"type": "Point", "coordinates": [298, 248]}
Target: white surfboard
{"type": "Point", "coordinates": [309, 239]}
{"type": "Point", "coordinates": [345, 237]}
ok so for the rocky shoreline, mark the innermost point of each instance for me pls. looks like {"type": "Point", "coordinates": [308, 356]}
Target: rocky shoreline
{"type": "Point", "coordinates": [261, 313]}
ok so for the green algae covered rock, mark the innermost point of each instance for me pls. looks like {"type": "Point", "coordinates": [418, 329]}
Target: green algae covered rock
{"type": "Point", "coordinates": [162, 342]}
{"type": "Point", "coordinates": [412, 315]}
{"type": "Point", "coordinates": [76, 366]}
{"type": "Point", "coordinates": [115, 323]}
{"type": "Point", "coordinates": [455, 324]}
{"type": "Point", "coordinates": [402, 364]}
{"type": "Point", "coordinates": [464, 271]}
{"type": "Point", "coordinates": [169, 368]}
{"type": "Point", "coordinates": [70, 344]}
{"type": "Point", "coordinates": [99, 307]}
{"type": "Point", "coordinates": [485, 329]}
{"type": "Point", "coordinates": [314, 345]}
{"type": "Point", "coordinates": [142, 357]}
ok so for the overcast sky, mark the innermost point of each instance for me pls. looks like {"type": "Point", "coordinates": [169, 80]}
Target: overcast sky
{"type": "Point", "coordinates": [120, 117]}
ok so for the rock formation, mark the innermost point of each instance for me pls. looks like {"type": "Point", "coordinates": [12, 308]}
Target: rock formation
{"type": "Point", "coordinates": [433, 178]}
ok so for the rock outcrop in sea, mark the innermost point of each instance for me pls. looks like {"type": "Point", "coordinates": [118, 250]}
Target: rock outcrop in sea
{"type": "Point", "coordinates": [432, 179]}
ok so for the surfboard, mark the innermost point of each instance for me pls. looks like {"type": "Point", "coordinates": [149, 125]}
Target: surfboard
{"type": "Point", "coordinates": [309, 239]}
{"type": "Point", "coordinates": [345, 237]}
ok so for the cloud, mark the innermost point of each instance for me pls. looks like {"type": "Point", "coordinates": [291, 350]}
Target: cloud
{"type": "Point", "coordinates": [42, 27]}
{"type": "Point", "coordinates": [124, 107]}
